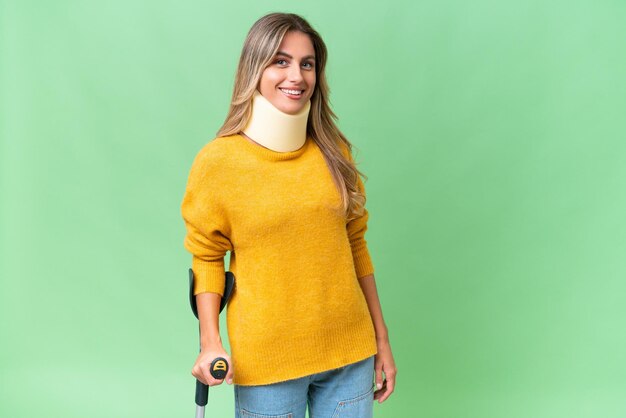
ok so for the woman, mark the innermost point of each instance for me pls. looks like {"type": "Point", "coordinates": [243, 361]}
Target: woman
{"type": "Point", "coordinates": [278, 188]}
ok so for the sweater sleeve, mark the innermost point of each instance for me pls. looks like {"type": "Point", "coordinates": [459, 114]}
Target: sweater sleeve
{"type": "Point", "coordinates": [356, 233]}
{"type": "Point", "coordinates": [207, 237]}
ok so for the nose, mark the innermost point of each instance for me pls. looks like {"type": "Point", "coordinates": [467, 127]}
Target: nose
{"type": "Point", "coordinates": [295, 73]}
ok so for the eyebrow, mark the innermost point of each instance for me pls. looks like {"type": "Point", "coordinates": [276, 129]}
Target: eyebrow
{"type": "Point", "coordinates": [289, 56]}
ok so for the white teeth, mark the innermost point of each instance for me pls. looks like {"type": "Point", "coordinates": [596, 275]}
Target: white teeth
{"type": "Point", "coordinates": [296, 92]}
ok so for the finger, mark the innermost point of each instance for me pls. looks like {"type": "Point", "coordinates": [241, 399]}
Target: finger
{"type": "Point", "coordinates": [378, 393]}
{"type": "Point", "coordinates": [387, 393]}
{"type": "Point", "coordinates": [230, 374]}
{"type": "Point", "coordinates": [209, 377]}
{"type": "Point", "coordinates": [379, 374]}
{"type": "Point", "coordinates": [197, 373]}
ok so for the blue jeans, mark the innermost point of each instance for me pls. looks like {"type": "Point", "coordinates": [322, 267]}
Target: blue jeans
{"type": "Point", "coordinates": [346, 392]}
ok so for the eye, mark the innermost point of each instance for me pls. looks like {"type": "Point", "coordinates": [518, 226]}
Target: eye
{"type": "Point", "coordinates": [278, 61]}
{"type": "Point", "coordinates": [310, 64]}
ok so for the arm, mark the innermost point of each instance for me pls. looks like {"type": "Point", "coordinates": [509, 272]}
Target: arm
{"type": "Point", "coordinates": [384, 361]}
{"type": "Point", "coordinates": [210, 340]}
{"type": "Point", "coordinates": [207, 240]}
{"type": "Point", "coordinates": [368, 285]}
{"type": "Point", "coordinates": [208, 313]}
{"type": "Point", "coordinates": [364, 269]}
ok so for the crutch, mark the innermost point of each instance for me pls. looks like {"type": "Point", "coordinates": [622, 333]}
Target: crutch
{"type": "Point", "coordinates": [219, 366]}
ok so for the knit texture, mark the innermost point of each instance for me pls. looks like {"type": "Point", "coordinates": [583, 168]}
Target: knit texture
{"type": "Point", "coordinates": [297, 308]}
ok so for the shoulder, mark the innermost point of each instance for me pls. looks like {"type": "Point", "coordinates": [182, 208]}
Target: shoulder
{"type": "Point", "coordinates": [216, 150]}
{"type": "Point", "coordinates": [216, 153]}
{"type": "Point", "coordinates": [345, 150]}
{"type": "Point", "coordinates": [213, 160]}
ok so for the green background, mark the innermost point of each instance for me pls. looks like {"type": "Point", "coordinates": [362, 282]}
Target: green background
{"type": "Point", "coordinates": [493, 134]}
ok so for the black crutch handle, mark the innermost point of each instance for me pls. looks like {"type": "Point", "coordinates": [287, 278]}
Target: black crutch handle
{"type": "Point", "coordinates": [218, 369]}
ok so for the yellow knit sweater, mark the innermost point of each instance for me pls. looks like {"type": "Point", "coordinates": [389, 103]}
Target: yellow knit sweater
{"type": "Point", "coordinates": [297, 308]}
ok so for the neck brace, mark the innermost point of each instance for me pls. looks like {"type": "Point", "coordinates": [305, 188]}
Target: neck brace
{"type": "Point", "coordinates": [274, 129]}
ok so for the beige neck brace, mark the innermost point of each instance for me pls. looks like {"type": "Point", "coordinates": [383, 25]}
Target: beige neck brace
{"type": "Point", "coordinates": [274, 129]}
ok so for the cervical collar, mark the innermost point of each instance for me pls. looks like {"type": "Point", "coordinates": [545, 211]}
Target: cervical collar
{"type": "Point", "coordinates": [274, 129]}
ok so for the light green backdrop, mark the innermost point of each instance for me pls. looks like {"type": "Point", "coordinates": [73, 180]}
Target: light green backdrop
{"type": "Point", "coordinates": [493, 134]}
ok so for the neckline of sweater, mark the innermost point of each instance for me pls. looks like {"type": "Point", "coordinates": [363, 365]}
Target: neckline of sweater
{"type": "Point", "coordinates": [272, 155]}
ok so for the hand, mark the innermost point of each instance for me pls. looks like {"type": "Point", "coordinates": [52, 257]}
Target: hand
{"type": "Point", "coordinates": [384, 362]}
{"type": "Point", "coordinates": [201, 371]}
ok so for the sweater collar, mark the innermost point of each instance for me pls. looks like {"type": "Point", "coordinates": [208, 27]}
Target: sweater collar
{"type": "Point", "coordinates": [271, 155]}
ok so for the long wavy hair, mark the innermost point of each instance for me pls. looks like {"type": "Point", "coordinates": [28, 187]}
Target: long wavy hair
{"type": "Point", "coordinates": [259, 49]}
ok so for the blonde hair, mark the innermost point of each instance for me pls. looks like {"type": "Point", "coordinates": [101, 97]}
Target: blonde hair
{"type": "Point", "coordinates": [259, 48]}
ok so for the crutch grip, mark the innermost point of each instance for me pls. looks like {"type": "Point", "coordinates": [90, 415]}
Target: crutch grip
{"type": "Point", "coordinates": [202, 393]}
{"type": "Point", "coordinates": [218, 369]}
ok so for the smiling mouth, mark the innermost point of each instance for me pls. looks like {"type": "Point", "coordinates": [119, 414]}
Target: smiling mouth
{"type": "Point", "coordinates": [292, 92]}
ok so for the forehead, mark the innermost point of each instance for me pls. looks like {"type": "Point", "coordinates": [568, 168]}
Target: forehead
{"type": "Point", "coordinates": [297, 44]}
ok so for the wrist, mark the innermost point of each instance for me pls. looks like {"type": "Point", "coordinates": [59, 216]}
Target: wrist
{"type": "Point", "coordinates": [211, 344]}
{"type": "Point", "coordinates": [382, 334]}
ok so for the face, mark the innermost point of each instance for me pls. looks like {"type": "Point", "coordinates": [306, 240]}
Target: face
{"type": "Point", "coordinates": [288, 82]}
